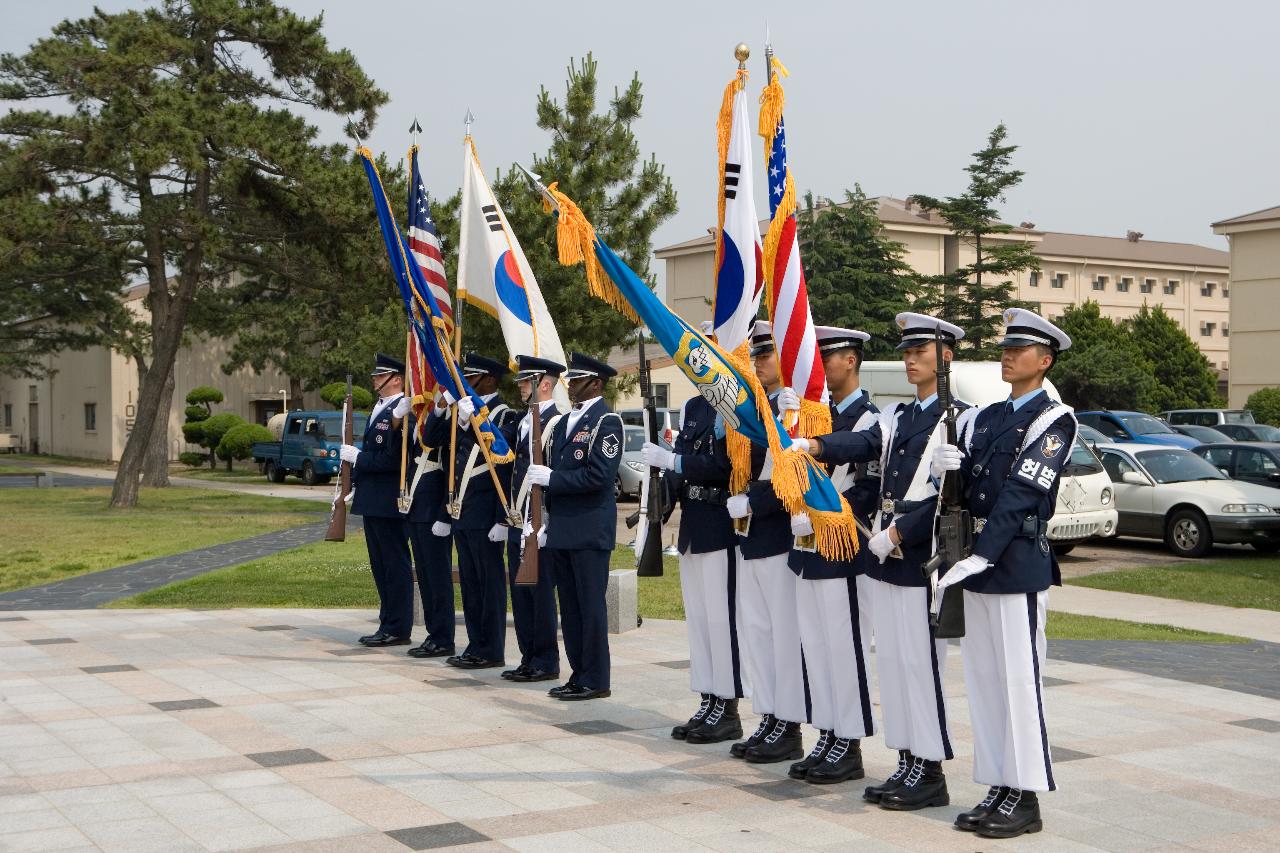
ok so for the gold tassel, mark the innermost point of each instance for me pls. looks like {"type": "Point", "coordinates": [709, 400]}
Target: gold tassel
{"type": "Point", "coordinates": [738, 445]}
{"type": "Point", "coordinates": [815, 418]}
{"type": "Point", "coordinates": [575, 241]}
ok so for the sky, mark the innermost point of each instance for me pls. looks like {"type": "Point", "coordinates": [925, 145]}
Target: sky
{"type": "Point", "coordinates": [1159, 117]}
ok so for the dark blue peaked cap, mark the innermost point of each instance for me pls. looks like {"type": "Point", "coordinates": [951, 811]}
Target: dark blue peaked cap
{"type": "Point", "coordinates": [386, 364]}
{"type": "Point", "coordinates": [474, 363]}
{"type": "Point", "coordinates": [582, 366]}
{"type": "Point", "coordinates": [530, 366]}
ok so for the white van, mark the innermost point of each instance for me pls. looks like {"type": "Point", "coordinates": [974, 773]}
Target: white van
{"type": "Point", "coordinates": [1086, 505]}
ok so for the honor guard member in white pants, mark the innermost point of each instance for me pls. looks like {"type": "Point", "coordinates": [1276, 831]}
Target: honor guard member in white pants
{"type": "Point", "coordinates": [429, 533]}
{"type": "Point", "coordinates": [581, 524]}
{"type": "Point", "coordinates": [533, 608]}
{"type": "Point", "coordinates": [698, 473]}
{"type": "Point", "coordinates": [835, 620]}
{"type": "Point", "coordinates": [479, 518]}
{"type": "Point", "coordinates": [375, 478]}
{"type": "Point", "coordinates": [910, 661]}
{"type": "Point", "coordinates": [767, 594]}
{"type": "Point", "coordinates": [1010, 454]}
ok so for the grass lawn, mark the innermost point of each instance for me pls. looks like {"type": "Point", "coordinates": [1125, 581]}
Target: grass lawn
{"type": "Point", "coordinates": [17, 469]}
{"type": "Point", "coordinates": [50, 534]}
{"type": "Point", "coordinates": [1233, 583]}
{"type": "Point", "coordinates": [54, 459]}
{"type": "Point", "coordinates": [329, 574]}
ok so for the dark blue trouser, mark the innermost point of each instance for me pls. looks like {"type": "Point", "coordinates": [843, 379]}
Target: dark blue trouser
{"type": "Point", "coordinates": [581, 577]}
{"type": "Point", "coordinates": [482, 577]}
{"type": "Point", "coordinates": [533, 609]}
{"type": "Point", "coordinates": [433, 559]}
{"type": "Point", "coordinates": [388, 543]}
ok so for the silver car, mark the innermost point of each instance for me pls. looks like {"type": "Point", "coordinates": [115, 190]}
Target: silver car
{"type": "Point", "coordinates": [632, 471]}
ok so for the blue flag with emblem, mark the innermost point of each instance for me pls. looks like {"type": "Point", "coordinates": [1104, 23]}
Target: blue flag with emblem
{"type": "Point", "coordinates": [426, 320]}
{"type": "Point", "coordinates": [731, 388]}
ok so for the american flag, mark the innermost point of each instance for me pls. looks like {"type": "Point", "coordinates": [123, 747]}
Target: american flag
{"type": "Point", "coordinates": [798, 356]}
{"type": "Point", "coordinates": [424, 245]}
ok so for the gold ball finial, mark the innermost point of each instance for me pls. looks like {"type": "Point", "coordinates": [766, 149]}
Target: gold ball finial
{"type": "Point", "coordinates": [742, 53]}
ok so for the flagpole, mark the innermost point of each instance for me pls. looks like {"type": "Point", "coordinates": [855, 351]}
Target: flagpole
{"type": "Point", "coordinates": [403, 502]}
{"type": "Point", "coordinates": [455, 508]}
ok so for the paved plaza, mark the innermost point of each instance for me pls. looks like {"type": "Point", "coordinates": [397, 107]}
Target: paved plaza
{"type": "Point", "coordinates": [173, 730]}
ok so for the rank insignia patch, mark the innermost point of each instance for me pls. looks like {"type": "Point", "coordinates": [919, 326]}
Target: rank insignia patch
{"type": "Point", "coordinates": [610, 445]}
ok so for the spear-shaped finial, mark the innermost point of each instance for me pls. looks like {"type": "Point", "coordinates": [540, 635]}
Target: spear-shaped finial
{"type": "Point", "coordinates": [768, 54]}
{"type": "Point", "coordinates": [353, 130]}
{"type": "Point", "coordinates": [415, 129]}
{"type": "Point", "coordinates": [468, 120]}
{"type": "Point", "coordinates": [539, 186]}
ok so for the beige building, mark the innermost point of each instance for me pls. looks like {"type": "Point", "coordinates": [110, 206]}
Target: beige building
{"type": "Point", "coordinates": [1119, 273]}
{"type": "Point", "coordinates": [1255, 301]}
{"type": "Point", "coordinates": [85, 406]}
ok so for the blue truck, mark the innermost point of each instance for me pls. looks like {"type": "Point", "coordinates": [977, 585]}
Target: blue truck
{"type": "Point", "coordinates": [308, 445]}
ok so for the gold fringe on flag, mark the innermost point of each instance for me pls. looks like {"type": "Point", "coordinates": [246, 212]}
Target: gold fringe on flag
{"type": "Point", "coordinates": [575, 240]}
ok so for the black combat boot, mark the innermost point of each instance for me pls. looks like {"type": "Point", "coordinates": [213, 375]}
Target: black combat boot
{"type": "Point", "coordinates": [968, 821]}
{"type": "Point", "coordinates": [721, 723]}
{"type": "Point", "coordinates": [1017, 813]}
{"type": "Point", "coordinates": [679, 732]}
{"type": "Point", "coordinates": [825, 738]}
{"type": "Point", "coordinates": [842, 763]}
{"type": "Point", "coordinates": [783, 743]}
{"type": "Point", "coordinates": [739, 749]}
{"type": "Point", "coordinates": [924, 786]}
{"type": "Point", "coordinates": [873, 793]}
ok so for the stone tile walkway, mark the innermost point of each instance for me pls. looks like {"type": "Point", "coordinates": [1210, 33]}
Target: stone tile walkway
{"type": "Point", "coordinates": [230, 730]}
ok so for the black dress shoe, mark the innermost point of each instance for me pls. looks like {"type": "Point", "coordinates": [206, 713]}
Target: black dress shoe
{"type": "Point", "coordinates": [567, 687]}
{"type": "Point", "coordinates": [511, 673]}
{"type": "Point", "coordinates": [825, 738]}
{"type": "Point", "coordinates": [473, 662]}
{"type": "Point", "coordinates": [842, 762]}
{"type": "Point", "coordinates": [367, 637]}
{"type": "Point", "coordinates": [873, 793]}
{"type": "Point", "coordinates": [429, 649]}
{"type": "Point", "coordinates": [969, 821]}
{"type": "Point", "coordinates": [1017, 813]}
{"type": "Point", "coordinates": [783, 743]}
{"type": "Point", "coordinates": [533, 674]}
{"type": "Point", "coordinates": [380, 640]}
{"type": "Point", "coordinates": [924, 786]}
{"type": "Point", "coordinates": [581, 694]}
{"type": "Point", "coordinates": [739, 749]}
{"type": "Point", "coordinates": [679, 732]}
{"type": "Point", "coordinates": [721, 723]}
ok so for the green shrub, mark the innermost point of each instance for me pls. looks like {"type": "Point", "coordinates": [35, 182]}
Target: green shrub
{"type": "Point", "coordinates": [1265, 405]}
{"type": "Point", "coordinates": [335, 392]}
{"type": "Point", "coordinates": [192, 460]}
{"type": "Point", "coordinates": [216, 427]}
{"type": "Point", "coordinates": [238, 441]}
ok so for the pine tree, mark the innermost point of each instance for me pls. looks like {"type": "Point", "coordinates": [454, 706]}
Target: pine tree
{"type": "Point", "coordinates": [856, 277]}
{"type": "Point", "coordinates": [1184, 378]}
{"type": "Point", "coordinates": [181, 119]}
{"type": "Point", "coordinates": [970, 298]}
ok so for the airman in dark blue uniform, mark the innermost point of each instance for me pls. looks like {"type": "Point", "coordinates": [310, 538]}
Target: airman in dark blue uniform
{"type": "Point", "coordinates": [375, 478]}
{"type": "Point", "coordinates": [581, 523]}
{"type": "Point", "coordinates": [429, 532]}
{"type": "Point", "coordinates": [1010, 455]}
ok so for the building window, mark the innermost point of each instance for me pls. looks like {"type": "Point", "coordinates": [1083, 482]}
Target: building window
{"type": "Point", "coordinates": [90, 417]}
{"type": "Point", "coordinates": [661, 394]}
{"type": "Point", "coordinates": [8, 416]}
{"type": "Point", "coordinates": [1060, 280]}
{"type": "Point", "coordinates": [31, 394]}
{"type": "Point", "coordinates": [1148, 285]}
{"type": "Point", "coordinates": [1123, 285]}
{"type": "Point", "coordinates": [1226, 292]}
{"type": "Point", "coordinates": [1035, 278]}
{"type": "Point", "coordinates": [1100, 282]}
{"type": "Point", "coordinates": [1207, 288]}
{"type": "Point", "coordinates": [1171, 287]}
{"type": "Point", "coordinates": [1226, 330]}
{"type": "Point", "coordinates": [1206, 329]}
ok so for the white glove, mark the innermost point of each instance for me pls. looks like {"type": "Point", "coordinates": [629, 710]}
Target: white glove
{"type": "Point", "coordinates": [466, 408]}
{"type": "Point", "coordinates": [946, 457]}
{"type": "Point", "coordinates": [402, 407]}
{"type": "Point", "coordinates": [967, 567]}
{"type": "Point", "coordinates": [881, 545]}
{"type": "Point", "coordinates": [739, 506]}
{"type": "Point", "coordinates": [542, 536]}
{"type": "Point", "coordinates": [788, 400]}
{"type": "Point", "coordinates": [349, 453]}
{"type": "Point", "coordinates": [801, 525]}
{"type": "Point", "coordinates": [498, 533]}
{"type": "Point", "coordinates": [657, 457]}
{"type": "Point", "coordinates": [801, 445]}
{"type": "Point", "coordinates": [351, 496]}
{"type": "Point", "coordinates": [526, 531]}
{"type": "Point", "coordinates": [441, 528]}
{"type": "Point", "coordinates": [538, 475]}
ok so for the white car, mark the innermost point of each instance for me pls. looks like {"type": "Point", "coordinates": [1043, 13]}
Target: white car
{"type": "Point", "coordinates": [1172, 494]}
{"type": "Point", "coordinates": [1085, 508]}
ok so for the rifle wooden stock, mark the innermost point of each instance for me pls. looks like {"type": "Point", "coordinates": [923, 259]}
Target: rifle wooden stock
{"type": "Point", "coordinates": [337, 531]}
{"type": "Point", "coordinates": [527, 574]}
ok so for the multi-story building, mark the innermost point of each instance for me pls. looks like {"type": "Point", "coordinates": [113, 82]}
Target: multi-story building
{"type": "Point", "coordinates": [1255, 302]}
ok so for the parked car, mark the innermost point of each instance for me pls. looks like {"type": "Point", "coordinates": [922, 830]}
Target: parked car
{"type": "Point", "coordinates": [1091, 435]}
{"type": "Point", "coordinates": [1204, 434]}
{"type": "Point", "coordinates": [632, 471]}
{"type": "Point", "coordinates": [1085, 507]}
{"type": "Point", "coordinates": [1207, 417]}
{"type": "Point", "coordinates": [308, 445]}
{"type": "Point", "coordinates": [1172, 494]}
{"type": "Point", "coordinates": [1251, 461]}
{"type": "Point", "coordinates": [668, 422]}
{"type": "Point", "coordinates": [1250, 432]}
{"type": "Point", "coordinates": [1134, 426]}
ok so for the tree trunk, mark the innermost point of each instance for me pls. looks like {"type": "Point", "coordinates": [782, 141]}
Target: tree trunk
{"type": "Point", "coordinates": [295, 392]}
{"type": "Point", "coordinates": [155, 470]}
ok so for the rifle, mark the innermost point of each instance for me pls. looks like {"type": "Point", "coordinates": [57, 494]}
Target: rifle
{"type": "Point", "coordinates": [337, 531]}
{"type": "Point", "coordinates": [953, 527]}
{"type": "Point", "coordinates": [649, 560]}
{"type": "Point", "coordinates": [527, 574]}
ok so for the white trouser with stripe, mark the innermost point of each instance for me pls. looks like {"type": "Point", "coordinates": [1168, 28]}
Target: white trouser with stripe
{"type": "Point", "coordinates": [910, 664]}
{"type": "Point", "coordinates": [711, 617]}
{"type": "Point", "coordinates": [1004, 649]}
{"type": "Point", "coordinates": [835, 643]}
{"type": "Point", "coordinates": [771, 636]}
